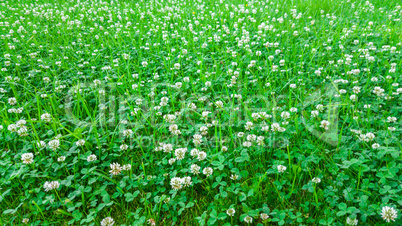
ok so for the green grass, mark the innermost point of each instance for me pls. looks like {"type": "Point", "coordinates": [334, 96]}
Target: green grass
{"type": "Point", "coordinates": [114, 74]}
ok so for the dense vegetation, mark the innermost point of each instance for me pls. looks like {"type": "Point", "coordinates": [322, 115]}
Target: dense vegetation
{"type": "Point", "coordinates": [182, 112]}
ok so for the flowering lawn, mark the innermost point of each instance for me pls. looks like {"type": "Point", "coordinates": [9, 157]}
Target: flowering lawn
{"type": "Point", "coordinates": [190, 112]}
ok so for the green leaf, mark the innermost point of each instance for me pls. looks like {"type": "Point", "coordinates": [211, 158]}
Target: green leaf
{"type": "Point", "coordinates": [190, 204]}
{"type": "Point", "coordinates": [9, 211]}
{"type": "Point", "coordinates": [129, 197]}
{"type": "Point", "coordinates": [222, 216]}
{"type": "Point", "coordinates": [77, 215]}
{"type": "Point", "coordinates": [212, 221]}
{"type": "Point", "coordinates": [106, 198]}
{"type": "Point", "coordinates": [92, 180]}
{"type": "Point", "coordinates": [242, 197]}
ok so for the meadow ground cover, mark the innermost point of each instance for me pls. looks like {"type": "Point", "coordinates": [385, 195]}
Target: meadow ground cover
{"type": "Point", "coordinates": [182, 112]}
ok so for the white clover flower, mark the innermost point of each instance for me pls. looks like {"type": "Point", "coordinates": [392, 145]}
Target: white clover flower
{"type": "Point", "coordinates": [187, 181]}
{"type": "Point", "coordinates": [248, 125]}
{"type": "Point", "coordinates": [320, 107]}
{"type": "Point", "coordinates": [356, 89]}
{"type": "Point", "coordinates": [264, 216]}
{"type": "Point", "coordinates": [375, 146]}
{"type": "Point", "coordinates": [12, 110]}
{"type": "Point", "coordinates": [46, 117]}
{"type": "Point", "coordinates": [197, 139]}
{"type": "Point", "coordinates": [205, 114]}
{"type": "Point", "coordinates": [91, 158]}
{"type": "Point", "coordinates": [178, 85]}
{"type": "Point", "coordinates": [127, 132]}
{"type": "Point", "coordinates": [167, 147]}
{"type": "Point", "coordinates": [80, 143]}
{"type": "Point", "coordinates": [248, 219]}
{"type": "Point", "coordinates": [164, 99]}
{"type": "Point", "coordinates": [180, 153]}
{"type": "Point", "coordinates": [41, 144]}
{"type": "Point", "coordinates": [108, 221]}
{"type": "Point", "coordinates": [389, 213]}
{"type": "Point", "coordinates": [166, 200]}
{"type": "Point", "coordinates": [126, 167]}
{"type": "Point", "coordinates": [325, 124]}
{"type": "Point", "coordinates": [176, 183]}
{"type": "Point", "coordinates": [350, 221]}
{"type": "Point", "coordinates": [275, 127]}
{"type": "Point", "coordinates": [12, 128]}
{"type": "Point", "coordinates": [194, 152]}
{"type": "Point", "coordinates": [171, 161]}
{"type": "Point", "coordinates": [23, 131]}
{"type": "Point", "coordinates": [25, 221]}
{"type": "Point", "coordinates": [195, 169]}
{"type": "Point", "coordinates": [27, 158]}
{"type": "Point", "coordinates": [370, 136]}
{"type": "Point", "coordinates": [255, 116]}
{"type": "Point", "coordinates": [285, 115]}
{"type": "Point", "coordinates": [231, 212]}
{"type": "Point", "coordinates": [314, 113]}
{"type": "Point", "coordinates": [251, 137]}
{"type": "Point", "coordinates": [234, 177]}
{"type": "Point", "coordinates": [151, 222]}
{"type": "Point", "coordinates": [115, 169]}
{"type": "Point", "coordinates": [169, 118]}
{"type": "Point", "coordinates": [281, 168]}
{"type": "Point", "coordinates": [378, 91]}
{"type": "Point", "coordinates": [204, 130]}
{"type": "Point", "coordinates": [174, 129]}
{"type": "Point", "coordinates": [207, 171]}
{"type": "Point", "coordinates": [54, 144]}
{"type": "Point", "coordinates": [48, 186]}
{"type": "Point", "coordinates": [12, 101]}
{"type": "Point", "coordinates": [316, 180]}
{"type": "Point", "coordinates": [123, 147]}
{"type": "Point", "coordinates": [219, 104]}
{"type": "Point", "coordinates": [201, 155]}
{"type": "Point", "coordinates": [391, 119]}
{"type": "Point", "coordinates": [22, 122]}
{"type": "Point", "coordinates": [61, 158]}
